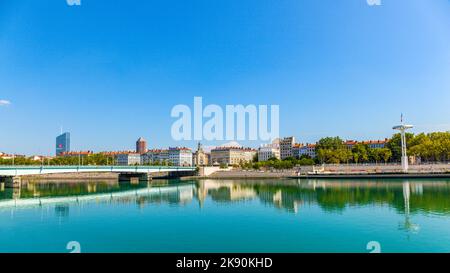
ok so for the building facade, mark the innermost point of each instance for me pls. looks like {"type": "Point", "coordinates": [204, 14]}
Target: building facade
{"type": "Point", "coordinates": [63, 143]}
{"type": "Point", "coordinates": [141, 146]}
{"type": "Point", "coordinates": [76, 154]}
{"type": "Point", "coordinates": [350, 144]}
{"type": "Point", "coordinates": [156, 156]}
{"type": "Point", "coordinates": [200, 158]}
{"type": "Point", "coordinates": [308, 150]}
{"type": "Point", "coordinates": [231, 155]}
{"type": "Point", "coordinates": [373, 144]}
{"type": "Point", "coordinates": [180, 156]}
{"type": "Point", "coordinates": [286, 147]}
{"type": "Point", "coordinates": [268, 151]}
{"type": "Point", "coordinates": [126, 159]}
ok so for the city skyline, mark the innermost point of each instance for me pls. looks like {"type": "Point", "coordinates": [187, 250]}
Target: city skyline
{"type": "Point", "coordinates": [112, 76]}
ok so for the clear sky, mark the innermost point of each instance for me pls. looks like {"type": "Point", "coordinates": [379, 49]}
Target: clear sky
{"type": "Point", "coordinates": [111, 71]}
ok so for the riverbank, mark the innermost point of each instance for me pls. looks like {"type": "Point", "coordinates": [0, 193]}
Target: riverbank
{"type": "Point", "coordinates": [375, 176]}
{"type": "Point", "coordinates": [252, 174]}
{"type": "Point", "coordinates": [316, 172]}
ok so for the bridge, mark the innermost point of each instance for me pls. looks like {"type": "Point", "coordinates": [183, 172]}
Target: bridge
{"type": "Point", "coordinates": [11, 175]}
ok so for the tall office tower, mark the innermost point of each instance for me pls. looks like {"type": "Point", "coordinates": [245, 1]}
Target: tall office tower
{"type": "Point", "coordinates": [63, 143]}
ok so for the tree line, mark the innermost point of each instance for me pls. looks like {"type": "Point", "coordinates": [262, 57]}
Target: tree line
{"type": "Point", "coordinates": [431, 147]}
{"type": "Point", "coordinates": [92, 159]}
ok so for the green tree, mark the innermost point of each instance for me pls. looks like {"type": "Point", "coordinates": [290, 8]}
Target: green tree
{"type": "Point", "coordinates": [394, 144]}
{"type": "Point", "coordinates": [384, 154]}
{"type": "Point", "coordinates": [332, 150]}
{"type": "Point", "coordinates": [360, 153]}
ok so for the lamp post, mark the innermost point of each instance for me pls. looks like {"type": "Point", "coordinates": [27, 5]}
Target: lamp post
{"type": "Point", "coordinates": [402, 128]}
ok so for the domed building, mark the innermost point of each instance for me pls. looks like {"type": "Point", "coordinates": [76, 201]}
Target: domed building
{"type": "Point", "coordinates": [200, 158]}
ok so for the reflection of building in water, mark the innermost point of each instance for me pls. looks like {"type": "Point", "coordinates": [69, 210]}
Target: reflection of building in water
{"type": "Point", "coordinates": [180, 196]}
{"type": "Point", "coordinates": [331, 195]}
{"type": "Point", "coordinates": [226, 191]}
{"type": "Point", "coordinates": [223, 191]}
{"type": "Point", "coordinates": [16, 193]}
{"type": "Point", "coordinates": [185, 195]}
{"type": "Point", "coordinates": [281, 199]}
{"type": "Point", "coordinates": [91, 188]}
{"type": "Point", "coordinates": [62, 211]}
{"type": "Point", "coordinates": [417, 188]}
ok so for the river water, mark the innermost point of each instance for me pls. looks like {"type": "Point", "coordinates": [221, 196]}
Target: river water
{"type": "Point", "coordinates": [281, 215]}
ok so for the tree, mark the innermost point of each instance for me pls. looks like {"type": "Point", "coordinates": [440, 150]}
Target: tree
{"type": "Point", "coordinates": [360, 153]}
{"type": "Point", "coordinates": [332, 150]}
{"type": "Point", "coordinates": [394, 144]}
{"type": "Point", "coordinates": [306, 161]}
{"type": "Point", "coordinates": [384, 154]}
{"type": "Point", "coordinates": [375, 154]}
{"type": "Point", "coordinates": [330, 143]}
{"type": "Point", "coordinates": [255, 157]}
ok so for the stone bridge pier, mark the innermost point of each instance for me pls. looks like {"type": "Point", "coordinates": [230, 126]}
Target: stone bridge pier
{"type": "Point", "coordinates": [11, 181]}
{"type": "Point", "coordinates": [134, 177]}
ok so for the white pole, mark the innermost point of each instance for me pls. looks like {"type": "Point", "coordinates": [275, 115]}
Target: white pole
{"type": "Point", "coordinates": [404, 155]}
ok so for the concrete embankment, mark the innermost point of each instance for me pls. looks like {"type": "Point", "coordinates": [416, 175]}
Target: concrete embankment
{"type": "Point", "coordinates": [241, 174]}
{"type": "Point", "coordinates": [375, 176]}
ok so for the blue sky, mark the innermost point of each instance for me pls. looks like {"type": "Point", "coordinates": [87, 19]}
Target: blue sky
{"type": "Point", "coordinates": [111, 71]}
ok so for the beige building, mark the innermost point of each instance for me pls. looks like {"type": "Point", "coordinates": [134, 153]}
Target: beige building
{"type": "Point", "coordinates": [231, 155]}
{"type": "Point", "coordinates": [156, 156]}
{"type": "Point", "coordinates": [200, 158]}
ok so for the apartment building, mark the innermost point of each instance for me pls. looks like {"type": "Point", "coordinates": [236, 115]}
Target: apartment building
{"type": "Point", "coordinates": [232, 155]}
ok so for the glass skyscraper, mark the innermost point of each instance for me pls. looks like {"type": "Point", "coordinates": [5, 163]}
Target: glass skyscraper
{"type": "Point", "coordinates": [63, 143]}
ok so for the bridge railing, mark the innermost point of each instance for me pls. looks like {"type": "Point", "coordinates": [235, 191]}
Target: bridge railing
{"type": "Point", "coordinates": [91, 167]}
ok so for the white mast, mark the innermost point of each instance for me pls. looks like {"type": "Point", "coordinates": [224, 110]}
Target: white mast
{"type": "Point", "coordinates": [402, 128]}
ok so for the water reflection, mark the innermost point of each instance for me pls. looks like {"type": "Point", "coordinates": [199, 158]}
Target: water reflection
{"type": "Point", "coordinates": [407, 197]}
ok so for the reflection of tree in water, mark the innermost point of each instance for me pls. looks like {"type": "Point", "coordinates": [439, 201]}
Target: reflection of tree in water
{"type": "Point", "coordinates": [426, 196]}
{"type": "Point", "coordinates": [331, 195]}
